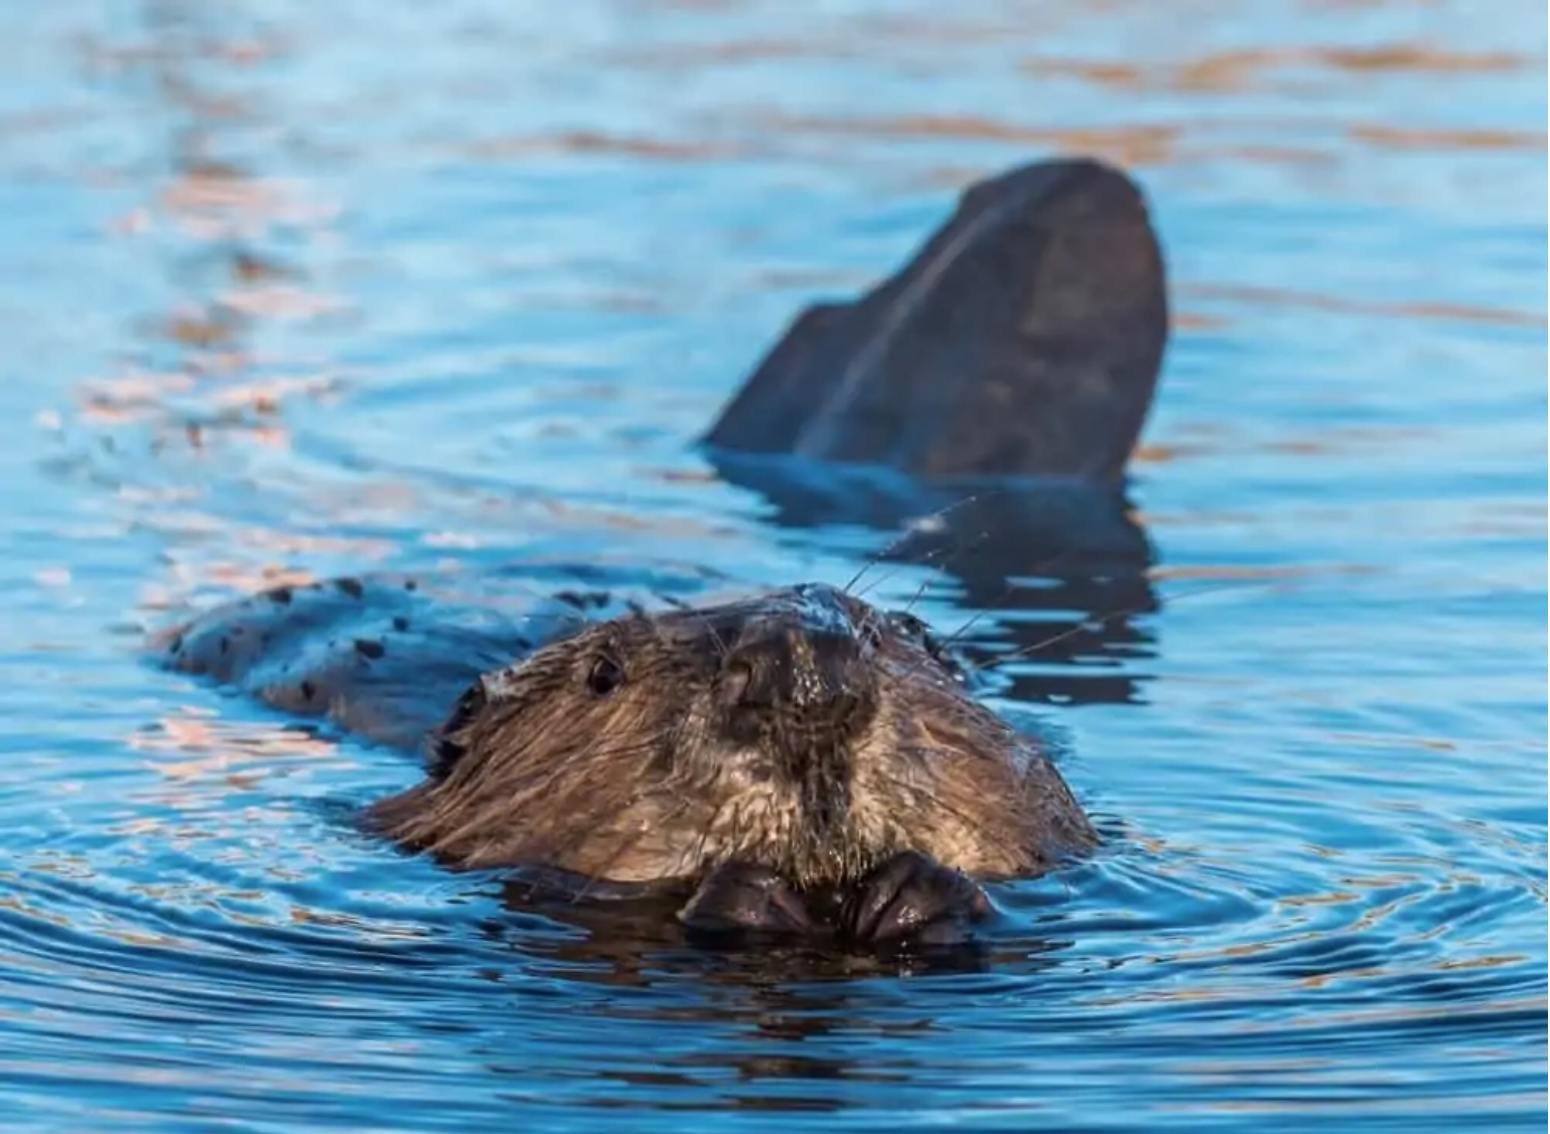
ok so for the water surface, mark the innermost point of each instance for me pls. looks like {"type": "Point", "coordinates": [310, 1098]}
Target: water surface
{"type": "Point", "coordinates": [292, 290]}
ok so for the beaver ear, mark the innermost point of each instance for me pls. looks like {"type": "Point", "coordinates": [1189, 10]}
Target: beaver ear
{"type": "Point", "coordinates": [447, 748]}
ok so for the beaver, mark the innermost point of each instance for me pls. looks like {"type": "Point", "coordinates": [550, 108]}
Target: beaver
{"type": "Point", "coordinates": [796, 746]}
{"type": "Point", "coordinates": [795, 761]}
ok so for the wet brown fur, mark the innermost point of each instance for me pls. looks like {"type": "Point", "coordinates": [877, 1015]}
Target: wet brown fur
{"type": "Point", "coordinates": [644, 784]}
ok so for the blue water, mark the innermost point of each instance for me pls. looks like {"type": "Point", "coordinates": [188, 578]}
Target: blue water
{"type": "Point", "coordinates": [296, 289]}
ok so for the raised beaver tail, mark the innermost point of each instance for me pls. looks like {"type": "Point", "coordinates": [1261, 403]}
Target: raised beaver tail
{"type": "Point", "coordinates": [1023, 339]}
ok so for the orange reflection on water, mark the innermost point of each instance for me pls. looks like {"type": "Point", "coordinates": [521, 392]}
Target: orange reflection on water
{"type": "Point", "coordinates": [201, 761]}
{"type": "Point", "coordinates": [1130, 145]}
{"type": "Point", "coordinates": [213, 749]}
{"type": "Point", "coordinates": [1267, 67]}
{"type": "Point", "coordinates": [596, 142]}
{"type": "Point", "coordinates": [213, 201]}
{"type": "Point", "coordinates": [1272, 297]}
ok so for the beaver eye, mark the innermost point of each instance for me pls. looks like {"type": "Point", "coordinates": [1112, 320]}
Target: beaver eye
{"type": "Point", "coordinates": [925, 639]}
{"type": "Point", "coordinates": [915, 628]}
{"type": "Point", "coordinates": [469, 705]}
{"type": "Point", "coordinates": [605, 676]}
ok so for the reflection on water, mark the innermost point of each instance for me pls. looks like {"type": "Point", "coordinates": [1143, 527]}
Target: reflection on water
{"type": "Point", "coordinates": [299, 291]}
{"type": "Point", "coordinates": [1066, 569]}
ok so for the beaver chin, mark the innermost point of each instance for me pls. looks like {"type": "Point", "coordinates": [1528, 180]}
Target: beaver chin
{"type": "Point", "coordinates": [803, 732]}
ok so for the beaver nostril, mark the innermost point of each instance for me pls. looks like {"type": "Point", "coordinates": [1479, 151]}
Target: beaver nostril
{"type": "Point", "coordinates": [788, 670]}
{"type": "Point", "coordinates": [736, 677]}
{"type": "Point", "coordinates": [757, 675]}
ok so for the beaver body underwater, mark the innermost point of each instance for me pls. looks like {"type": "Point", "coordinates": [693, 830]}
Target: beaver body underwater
{"type": "Point", "coordinates": [798, 761]}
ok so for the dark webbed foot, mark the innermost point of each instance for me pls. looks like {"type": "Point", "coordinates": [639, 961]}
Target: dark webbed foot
{"type": "Point", "coordinates": [740, 898]}
{"type": "Point", "coordinates": [914, 897]}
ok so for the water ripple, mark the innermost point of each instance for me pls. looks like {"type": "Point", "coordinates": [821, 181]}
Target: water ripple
{"type": "Point", "coordinates": [312, 290]}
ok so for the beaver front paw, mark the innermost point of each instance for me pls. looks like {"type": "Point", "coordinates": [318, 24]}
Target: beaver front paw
{"type": "Point", "coordinates": [914, 897]}
{"type": "Point", "coordinates": [740, 898]}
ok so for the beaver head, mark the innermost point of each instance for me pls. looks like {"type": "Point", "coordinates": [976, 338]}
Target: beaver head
{"type": "Point", "coordinates": [803, 730]}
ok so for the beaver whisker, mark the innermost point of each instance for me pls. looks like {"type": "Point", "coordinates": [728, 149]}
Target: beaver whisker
{"type": "Point", "coordinates": [484, 810]}
{"type": "Point", "coordinates": [1099, 621]}
{"type": "Point", "coordinates": [941, 800]}
{"type": "Point", "coordinates": [924, 560]}
{"type": "Point", "coordinates": [1037, 569]}
{"type": "Point", "coordinates": [910, 530]}
{"type": "Point", "coordinates": [947, 555]}
{"type": "Point", "coordinates": [939, 570]}
{"type": "Point", "coordinates": [1006, 593]}
{"type": "Point", "coordinates": [600, 756]}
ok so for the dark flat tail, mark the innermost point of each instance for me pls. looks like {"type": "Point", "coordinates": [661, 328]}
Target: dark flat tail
{"type": "Point", "coordinates": [1023, 339]}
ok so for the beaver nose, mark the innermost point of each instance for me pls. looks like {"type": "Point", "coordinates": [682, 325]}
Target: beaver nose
{"type": "Point", "coordinates": [789, 668]}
